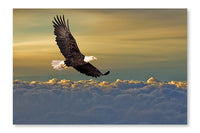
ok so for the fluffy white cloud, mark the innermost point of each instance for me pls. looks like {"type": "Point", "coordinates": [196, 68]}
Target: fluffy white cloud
{"type": "Point", "coordinates": [93, 102]}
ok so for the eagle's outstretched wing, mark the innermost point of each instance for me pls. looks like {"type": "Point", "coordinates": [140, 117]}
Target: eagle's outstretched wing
{"type": "Point", "coordinates": [90, 70]}
{"type": "Point", "coordinates": [64, 38]}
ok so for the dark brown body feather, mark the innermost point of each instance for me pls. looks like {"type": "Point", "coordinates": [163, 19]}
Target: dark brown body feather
{"type": "Point", "coordinates": [69, 49]}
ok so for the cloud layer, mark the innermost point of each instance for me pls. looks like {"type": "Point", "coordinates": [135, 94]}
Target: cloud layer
{"type": "Point", "coordinates": [93, 102]}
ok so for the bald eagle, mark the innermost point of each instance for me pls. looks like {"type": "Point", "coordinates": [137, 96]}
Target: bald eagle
{"type": "Point", "coordinates": [69, 49]}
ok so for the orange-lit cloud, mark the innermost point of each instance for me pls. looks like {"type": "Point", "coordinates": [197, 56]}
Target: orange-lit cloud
{"type": "Point", "coordinates": [91, 101]}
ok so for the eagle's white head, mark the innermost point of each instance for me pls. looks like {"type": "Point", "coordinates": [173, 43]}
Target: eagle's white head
{"type": "Point", "coordinates": [89, 58]}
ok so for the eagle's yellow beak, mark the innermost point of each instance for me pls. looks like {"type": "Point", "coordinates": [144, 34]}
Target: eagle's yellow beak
{"type": "Point", "coordinates": [95, 58]}
{"type": "Point", "coordinates": [63, 66]}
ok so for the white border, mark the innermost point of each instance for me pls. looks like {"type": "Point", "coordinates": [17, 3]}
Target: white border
{"type": "Point", "coordinates": [6, 64]}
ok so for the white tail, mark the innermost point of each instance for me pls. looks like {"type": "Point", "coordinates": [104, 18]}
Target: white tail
{"type": "Point", "coordinates": [58, 64]}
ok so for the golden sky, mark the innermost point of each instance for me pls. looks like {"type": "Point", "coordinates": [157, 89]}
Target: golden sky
{"type": "Point", "coordinates": [121, 39]}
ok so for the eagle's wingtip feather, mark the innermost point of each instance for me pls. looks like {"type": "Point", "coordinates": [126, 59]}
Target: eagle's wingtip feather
{"type": "Point", "coordinates": [106, 73]}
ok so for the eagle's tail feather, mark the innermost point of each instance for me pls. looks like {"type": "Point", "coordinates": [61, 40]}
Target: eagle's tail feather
{"type": "Point", "coordinates": [58, 64]}
{"type": "Point", "coordinates": [106, 73]}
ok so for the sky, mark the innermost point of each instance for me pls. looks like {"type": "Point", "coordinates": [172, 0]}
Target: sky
{"type": "Point", "coordinates": [132, 44]}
